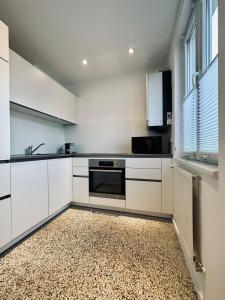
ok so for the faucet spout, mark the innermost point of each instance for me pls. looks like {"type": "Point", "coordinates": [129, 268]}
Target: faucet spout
{"type": "Point", "coordinates": [42, 144]}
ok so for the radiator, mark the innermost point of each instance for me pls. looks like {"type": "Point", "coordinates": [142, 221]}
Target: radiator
{"type": "Point", "coordinates": [187, 212]}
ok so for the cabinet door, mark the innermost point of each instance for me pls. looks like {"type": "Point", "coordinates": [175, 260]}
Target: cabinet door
{"type": "Point", "coordinates": [60, 183]}
{"type": "Point", "coordinates": [4, 180]}
{"type": "Point", "coordinates": [29, 192]}
{"type": "Point", "coordinates": [4, 41]}
{"type": "Point", "coordinates": [143, 195]}
{"type": "Point", "coordinates": [32, 88]}
{"type": "Point", "coordinates": [81, 189]}
{"type": "Point", "coordinates": [68, 107]}
{"type": "Point", "coordinates": [4, 111]}
{"type": "Point", "coordinates": [5, 221]}
{"type": "Point", "coordinates": [167, 185]}
{"type": "Point", "coordinates": [154, 99]}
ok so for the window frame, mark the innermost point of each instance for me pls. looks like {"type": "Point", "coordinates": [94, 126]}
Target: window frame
{"type": "Point", "coordinates": [201, 20]}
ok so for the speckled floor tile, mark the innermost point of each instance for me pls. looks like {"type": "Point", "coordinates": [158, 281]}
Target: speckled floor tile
{"type": "Point", "coordinates": [98, 256]}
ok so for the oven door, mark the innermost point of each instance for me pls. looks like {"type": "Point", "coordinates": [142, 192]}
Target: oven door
{"type": "Point", "coordinates": [107, 183]}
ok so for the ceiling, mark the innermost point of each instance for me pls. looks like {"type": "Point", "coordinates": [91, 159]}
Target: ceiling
{"type": "Point", "coordinates": [56, 35]}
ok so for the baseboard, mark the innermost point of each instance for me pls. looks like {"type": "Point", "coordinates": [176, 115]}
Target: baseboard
{"type": "Point", "coordinates": [197, 278]}
{"type": "Point", "coordinates": [30, 231]}
{"type": "Point", "coordinates": [120, 209]}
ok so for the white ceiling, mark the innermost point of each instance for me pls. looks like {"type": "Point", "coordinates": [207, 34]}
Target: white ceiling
{"type": "Point", "coordinates": [56, 34]}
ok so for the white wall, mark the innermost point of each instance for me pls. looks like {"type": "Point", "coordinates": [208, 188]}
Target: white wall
{"type": "Point", "coordinates": [27, 130]}
{"type": "Point", "coordinates": [111, 111]}
{"type": "Point", "coordinates": [212, 190]}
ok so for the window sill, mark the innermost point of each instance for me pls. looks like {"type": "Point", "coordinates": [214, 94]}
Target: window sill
{"type": "Point", "coordinates": [196, 166]}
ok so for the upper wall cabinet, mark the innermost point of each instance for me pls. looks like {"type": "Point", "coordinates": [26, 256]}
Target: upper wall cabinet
{"type": "Point", "coordinates": [159, 99]}
{"type": "Point", "coordinates": [68, 107]}
{"type": "Point", "coordinates": [4, 41]}
{"type": "Point", "coordinates": [31, 88]}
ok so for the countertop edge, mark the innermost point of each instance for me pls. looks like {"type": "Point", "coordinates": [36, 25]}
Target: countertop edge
{"type": "Point", "coordinates": [21, 158]}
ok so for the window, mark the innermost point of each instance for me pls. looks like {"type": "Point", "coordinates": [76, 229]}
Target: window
{"type": "Point", "coordinates": [211, 30]}
{"type": "Point", "coordinates": [200, 106]}
{"type": "Point", "coordinates": [190, 49]}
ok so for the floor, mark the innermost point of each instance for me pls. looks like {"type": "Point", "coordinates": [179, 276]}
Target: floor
{"type": "Point", "coordinates": [92, 254]}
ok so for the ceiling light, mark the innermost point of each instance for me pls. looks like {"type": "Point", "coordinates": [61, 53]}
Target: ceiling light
{"type": "Point", "coordinates": [84, 62]}
{"type": "Point", "coordinates": [131, 51]}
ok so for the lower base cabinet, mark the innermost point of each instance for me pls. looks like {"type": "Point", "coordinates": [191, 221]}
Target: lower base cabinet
{"type": "Point", "coordinates": [5, 221]}
{"type": "Point", "coordinates": [81, 189]}
{"type": "Point", "coordinates": [29, 195]}
{"type": "Point", "coordinates": [143, 195]}
{"type": "Point", "coordinates": [60, 183]}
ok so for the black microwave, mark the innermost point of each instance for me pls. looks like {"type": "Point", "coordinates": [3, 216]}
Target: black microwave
{"type": "Point", "coordinates": [147, 145]}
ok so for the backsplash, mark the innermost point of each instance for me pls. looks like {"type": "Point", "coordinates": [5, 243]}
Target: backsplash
{"type": "Point", "coordinates": [28, 130]}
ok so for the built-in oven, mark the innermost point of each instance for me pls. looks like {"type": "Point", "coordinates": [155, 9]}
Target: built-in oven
{"type": "Point", "coordinates": [107, 178]}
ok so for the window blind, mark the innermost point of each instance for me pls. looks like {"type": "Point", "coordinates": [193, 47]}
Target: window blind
{"type": "Point", "coordinates": [208, 110]}
{"type": "Point", "coordinates": [190, 122]}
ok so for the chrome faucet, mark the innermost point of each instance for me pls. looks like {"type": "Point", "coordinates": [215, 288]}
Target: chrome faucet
{"type": "Point", "coordinates": [30, 150]}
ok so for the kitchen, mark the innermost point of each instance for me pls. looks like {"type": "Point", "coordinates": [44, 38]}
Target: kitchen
{"type": "Point", "coordinates": [92, 160]}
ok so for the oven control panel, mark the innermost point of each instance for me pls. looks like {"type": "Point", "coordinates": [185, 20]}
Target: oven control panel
{"type": "Point", "coordinates": [107, 163]}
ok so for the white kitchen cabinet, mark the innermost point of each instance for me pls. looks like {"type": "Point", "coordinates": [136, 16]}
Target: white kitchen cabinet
{"type": "Point", "coordinates": [32, 88]}
{"type": "Point", "coordinates": [81, 189]}
{"type": "Point", "coordinates": [5, 221]}
{"type": "Point", "coordinates": [143, 163]}
{"type": "Point", "coordinates": [116, 203]}
{"type": "Point", "coordinates": [143, 195]}
{"type": "Point", "coordinates": [60, 183]}
{"type": "Point", "coordinates": [167, 185]}
{"type": "Point", "coordinates": [5, 205]}
{"type": "Point", "coordinates": [4, 41]}
{"type": "Point", "coordinates": [4, 111]}
{"type": "Point", "coordinates": [4, 179]}
{"type": "Point", "coordinates": [154, 99]}
{"type": "Point", "coordinates": [29, 195]}
{"type": "Point", "coordinates": [154, 174]}
{"type": "Point", "coordinates": [68, 107]}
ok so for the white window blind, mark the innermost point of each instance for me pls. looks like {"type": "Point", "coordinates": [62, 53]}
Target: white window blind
{"type": "Point", "coordinates": [208, 110]}
{"type": "Point", "coordinates": [190, 122]}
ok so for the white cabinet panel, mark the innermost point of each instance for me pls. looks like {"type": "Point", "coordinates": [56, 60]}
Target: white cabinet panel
{"type": "Point", "coordinates": [29, 192]}
{"type": "Point", "coordinates": [167, 186]}
{"type": "Point", "coordinates": [4, 179]}
{"type": "Point", "coordinates": [81, 189]}
{"type": "Point", "coordinates": [68, 106]}
{"type": "Point", "coordinates": [4, 111]}
{"type": "Point", "coordinates": [154, 174]}
{"type": "Point", "coordinates": [81, 171]}
{"type": "Point", "coordinates": [60, 183]}
{"type": "Point", "coordinates": [143, 163]}
{"type": "Point", "coordinates": [4, 41]}
{"type": "Point", "coordinates": [108, 202]}
{"type": "Point", "coordinates": [32, 88]}
{"type": "Point", "coordinates": [143, 196]}
{"type": "Point", "coordinates": [154, 98]}
{"type": "Point", "coordinates": [80, 162]}
{"type": "Point", "coordinates": [5, 221]}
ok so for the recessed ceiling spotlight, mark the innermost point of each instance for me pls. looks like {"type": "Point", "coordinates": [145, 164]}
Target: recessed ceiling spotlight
{"type": "Point", "coordinates": [131, 51]}
{"type": "Point", "coordinates": [84, 62]}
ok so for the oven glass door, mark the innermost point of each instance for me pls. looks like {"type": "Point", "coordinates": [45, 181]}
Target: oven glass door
{"type": "Point", "coordinates": [104, 182]}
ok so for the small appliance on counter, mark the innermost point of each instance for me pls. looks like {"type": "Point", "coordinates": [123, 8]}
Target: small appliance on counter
{"type": "Point", "coordinates": [67, 148]}
{"type": "Point", "coordinates": [150, 145]}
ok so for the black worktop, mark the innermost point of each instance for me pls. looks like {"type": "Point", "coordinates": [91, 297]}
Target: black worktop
{"type": "Point", "coordinates": [21, 158]}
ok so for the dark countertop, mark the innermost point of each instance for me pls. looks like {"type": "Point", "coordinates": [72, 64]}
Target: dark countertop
{"type": "Point", "coordinates": [22, 157]}
{"type": "Point", "coordinates": [123, 155]}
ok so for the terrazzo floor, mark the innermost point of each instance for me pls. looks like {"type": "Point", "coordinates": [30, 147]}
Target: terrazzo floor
{"type": "Point", "coordinates": [89, 254]}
